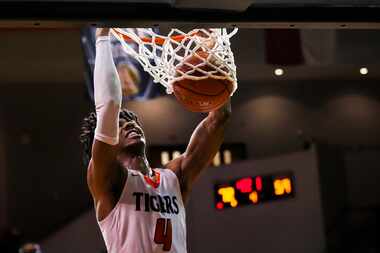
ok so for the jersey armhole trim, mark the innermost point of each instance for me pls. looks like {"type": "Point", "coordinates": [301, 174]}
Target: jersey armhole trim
{"type": "Point", "coordinates": [177, 182]}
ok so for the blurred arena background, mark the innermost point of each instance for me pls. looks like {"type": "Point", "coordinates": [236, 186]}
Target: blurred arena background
{"type": "Point", "coordinates": [305, 125]}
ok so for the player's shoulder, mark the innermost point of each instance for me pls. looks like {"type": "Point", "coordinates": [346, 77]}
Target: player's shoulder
{"type": "Point", "coordinates": [174, 165]}
{"type": "Point", "coordinates": [166, 173]}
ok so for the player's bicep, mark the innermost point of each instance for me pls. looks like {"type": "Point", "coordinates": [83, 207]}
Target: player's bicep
{"type": "Point", "coordinates": [103, 154]}
{"type": "Point", "coordinates": [203, 145]}
{"type": "Point", "coordinates": [102, 163]}
{"type": "Point", "coordinates": [200, 151]}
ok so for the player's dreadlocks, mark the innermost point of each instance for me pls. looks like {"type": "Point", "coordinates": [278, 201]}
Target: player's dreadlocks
{"type": "Point", "coordinates": [88, 131]}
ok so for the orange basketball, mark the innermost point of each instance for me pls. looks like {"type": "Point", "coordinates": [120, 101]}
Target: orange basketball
{"type": "Point", "coordinates": [201, 95]}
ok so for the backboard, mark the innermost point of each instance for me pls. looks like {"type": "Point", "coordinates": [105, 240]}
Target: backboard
{"type": "Point", "coordinates": [327, 14]}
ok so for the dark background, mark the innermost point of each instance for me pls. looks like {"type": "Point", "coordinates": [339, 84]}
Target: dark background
{"type": "Point", "coordinates": [326, 102]}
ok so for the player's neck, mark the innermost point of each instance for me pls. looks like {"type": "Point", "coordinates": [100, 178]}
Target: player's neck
{"type": "Point", "coordinates": [136, 162]}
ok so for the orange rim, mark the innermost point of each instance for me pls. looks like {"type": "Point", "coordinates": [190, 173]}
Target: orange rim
{"type": "Point", "coordinates": [158, 40]}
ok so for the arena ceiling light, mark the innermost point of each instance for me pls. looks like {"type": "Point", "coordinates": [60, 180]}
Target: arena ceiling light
{"type": "Point", "coordinates": [279, 72]}
{"type": "Point", "coordinates": [363, 71]}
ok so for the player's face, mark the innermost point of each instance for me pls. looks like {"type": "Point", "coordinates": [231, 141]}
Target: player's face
{"type": "Point", "coordinates": [131, 134]}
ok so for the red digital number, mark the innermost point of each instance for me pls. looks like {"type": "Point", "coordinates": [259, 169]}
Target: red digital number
{"type": "Point", "coordinates": [163, 233]}
{"type": "Point", "coordinates": [244, 185]}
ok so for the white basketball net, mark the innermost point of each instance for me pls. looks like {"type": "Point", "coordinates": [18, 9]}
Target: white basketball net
{"type": "Point", "coordinates": [164, 57]}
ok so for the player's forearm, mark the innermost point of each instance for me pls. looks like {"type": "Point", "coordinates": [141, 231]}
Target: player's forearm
{"type": "Point", "coordinates": [107, 91]}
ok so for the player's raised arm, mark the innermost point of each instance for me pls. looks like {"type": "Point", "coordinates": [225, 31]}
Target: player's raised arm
{"type": "Point", "coordinates": [108, 98]}
{"type": "Point", "coordinates": [202, 148]}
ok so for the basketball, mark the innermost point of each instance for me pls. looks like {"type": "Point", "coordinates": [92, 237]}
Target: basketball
{"type": "Point", "coordinates": [203, 95]}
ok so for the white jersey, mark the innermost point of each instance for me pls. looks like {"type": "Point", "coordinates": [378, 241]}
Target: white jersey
{"type": "Point", "coordinates": [149, 216]}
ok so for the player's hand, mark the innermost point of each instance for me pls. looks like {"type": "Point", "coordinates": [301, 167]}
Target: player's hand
{"type": "Point", "coordinates": [102, 31]}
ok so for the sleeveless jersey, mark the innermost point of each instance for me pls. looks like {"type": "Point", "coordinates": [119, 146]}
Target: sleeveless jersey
{"type": "Point", "coordinates": [149, 216]}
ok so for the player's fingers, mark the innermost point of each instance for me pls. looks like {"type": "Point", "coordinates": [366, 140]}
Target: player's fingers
{"type": "Point", "coordinates": [102, 31]}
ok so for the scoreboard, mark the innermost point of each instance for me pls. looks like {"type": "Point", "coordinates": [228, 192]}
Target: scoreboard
{"type": "Point", "coordinates": [248, 191]}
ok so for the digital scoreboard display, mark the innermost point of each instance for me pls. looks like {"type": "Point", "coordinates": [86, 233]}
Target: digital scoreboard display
{"type": "Point", "coordinates": [253, 190]}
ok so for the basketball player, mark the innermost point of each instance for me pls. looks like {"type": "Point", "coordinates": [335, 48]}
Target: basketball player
{"type": "Point", "coordinates": [139, 209]}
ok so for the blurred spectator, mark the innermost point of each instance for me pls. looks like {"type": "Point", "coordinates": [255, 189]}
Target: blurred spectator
{"type": "Point", "coordinates": [137, 84]}
{"type": "Point", "coordinates": [30, 248]}
{"type": "Point", "coordinates": [125, 65]}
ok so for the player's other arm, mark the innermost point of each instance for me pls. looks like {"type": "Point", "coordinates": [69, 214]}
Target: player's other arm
{"type": "Point", "coordinates": [107, 91]}
{"type": "Point", "coordinates": [203, 146]}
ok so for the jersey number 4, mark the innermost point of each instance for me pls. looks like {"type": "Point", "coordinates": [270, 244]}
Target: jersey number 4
{"type": "Point", "coordinates": [163, 233]}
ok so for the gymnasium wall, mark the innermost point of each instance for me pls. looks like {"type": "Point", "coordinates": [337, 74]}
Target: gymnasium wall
{"type": "Point", "coordinates": [80, 235]}
{"type": "Point", "coordinates": [361, 215]}
{"type": "Point", "coordinates": [363, 174]}
{"type": "Point", "coordinates": [277, 117]}
{"type": "Point", "coordinates": [46, 181]}
{"type": "Point", "coordinates": [3, 177]}
{"type": "Point", "coordinates": [294, 225]}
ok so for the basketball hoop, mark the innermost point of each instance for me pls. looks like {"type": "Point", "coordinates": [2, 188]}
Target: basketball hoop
{"type": "Point", "coordinates": [162, 56]}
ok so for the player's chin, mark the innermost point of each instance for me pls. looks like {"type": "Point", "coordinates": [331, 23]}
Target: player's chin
{"type": "Point", "coordinates": [140, 141]}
